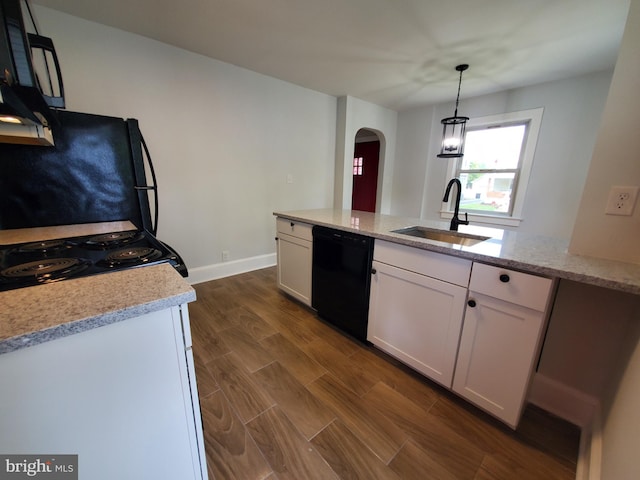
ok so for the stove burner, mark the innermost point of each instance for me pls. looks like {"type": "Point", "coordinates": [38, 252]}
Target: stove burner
{"type": "Point", "coordinates": [46, 261]}
{"type": "Point", "coordinates": [46, 269]}
{"type": "Point", "coordinates": [112, 240]}
{"type": "Point", "coordinates": [133, 255]}
{"type": "Point", "coordinates": [46, 246]}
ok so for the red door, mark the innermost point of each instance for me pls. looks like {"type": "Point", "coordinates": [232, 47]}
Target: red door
{"type": "Point", "coordinates": [365, 176]}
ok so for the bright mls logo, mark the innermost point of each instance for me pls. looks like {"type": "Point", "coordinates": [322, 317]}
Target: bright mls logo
{"type": "Point", "coordinates": [49, 467]}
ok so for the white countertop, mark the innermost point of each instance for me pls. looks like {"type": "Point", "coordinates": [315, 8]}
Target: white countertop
{"type": "Point", "coordinates": [33, 315]}
{"type": "Point", "coordinates": [531, 253]}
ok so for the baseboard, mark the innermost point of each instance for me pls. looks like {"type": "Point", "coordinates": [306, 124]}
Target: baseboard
{"type": "Point", "coordinates": [578, 408]}
{"type": "Point", "coordinates": [563, 401]}
{"type": "Point", "coordinates": [589, 465]}
{"type": "Point", "coordinates": [227, 269]}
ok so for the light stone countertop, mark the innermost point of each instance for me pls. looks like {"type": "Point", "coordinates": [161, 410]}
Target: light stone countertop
{"type": "Point", "coordinates": [530, 253]}
{"type": "Point", "coordinates": [33, 315]}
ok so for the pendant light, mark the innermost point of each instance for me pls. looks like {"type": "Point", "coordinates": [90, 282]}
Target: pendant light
{"type": "Point", "coordinates": [453, 128]}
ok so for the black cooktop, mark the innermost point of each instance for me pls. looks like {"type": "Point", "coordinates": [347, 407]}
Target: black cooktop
{"type": "Point", "coordinates": [36, 263]}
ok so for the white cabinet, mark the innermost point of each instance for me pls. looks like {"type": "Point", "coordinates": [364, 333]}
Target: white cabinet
{"type": "Point", "coordinates": [416, 312]}
{"type": "Point", "coordinates": [295, 248]}
{"type": "Point", "coordinates": [500, 340]}
{"type": "Point", "coordinates": [121, 396]}
{"type": "Point", "coordinates": [416, 307]}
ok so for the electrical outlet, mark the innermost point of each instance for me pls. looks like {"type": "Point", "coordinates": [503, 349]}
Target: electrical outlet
{"type": "Point", "coordinates": [225, 255]}
{"type": "Point", "coordinates": [621, 200]}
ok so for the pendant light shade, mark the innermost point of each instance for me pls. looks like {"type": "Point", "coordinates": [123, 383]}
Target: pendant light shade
{"type": "Point", "coordinates": [453, 128]}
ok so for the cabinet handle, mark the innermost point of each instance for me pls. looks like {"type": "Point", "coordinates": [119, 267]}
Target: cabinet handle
{"type": "Point", "coordinates": [373, 271]}
{"type": "Point", "coordinates": [471, 303]}
{"type": "Point", "coordinates": [504, 278]}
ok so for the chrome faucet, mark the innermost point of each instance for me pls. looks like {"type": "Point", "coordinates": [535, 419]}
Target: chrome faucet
{"type": "Point", "coordinates": [455, 221]}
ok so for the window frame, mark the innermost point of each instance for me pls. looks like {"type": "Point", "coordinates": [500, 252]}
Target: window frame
{"type": "Point", "coordinates": [533, 119]}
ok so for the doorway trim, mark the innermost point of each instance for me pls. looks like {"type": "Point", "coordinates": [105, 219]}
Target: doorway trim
{"type": "Point", "coordinates": [352, 115]}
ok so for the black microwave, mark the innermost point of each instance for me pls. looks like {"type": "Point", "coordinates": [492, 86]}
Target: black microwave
{"type": "Point", "coordinates": [29, 87]}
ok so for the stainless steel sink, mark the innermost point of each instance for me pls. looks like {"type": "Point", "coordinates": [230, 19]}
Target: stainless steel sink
{"type": "Point", "coordinates": [446, 236]}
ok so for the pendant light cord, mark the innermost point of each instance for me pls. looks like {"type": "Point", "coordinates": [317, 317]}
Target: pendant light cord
{"type": "Point", "coordinates": [455, 114]}
{"type": "Point", "coordinates": [460, 68]}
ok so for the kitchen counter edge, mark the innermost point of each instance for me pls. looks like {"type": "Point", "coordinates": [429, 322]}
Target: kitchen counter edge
{"type": "Point", "coordinates": [39, 314]}
{"type": "Point", "coordinates": [519, 251]}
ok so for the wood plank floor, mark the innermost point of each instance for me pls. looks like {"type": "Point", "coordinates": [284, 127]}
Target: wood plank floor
{"type": "Point", "coordinates": [286, 396]}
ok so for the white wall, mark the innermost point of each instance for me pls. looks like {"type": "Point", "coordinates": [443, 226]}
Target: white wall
{"type": "Point", "coordinates": [223, 139]}
{"type": "Point", "coordinates": [622, 416]}
{"type": "Point", "coordinates": [572, 112]}
{"type": "Point", "coordinates": [616, 160]}
{"type": "Point", "coordinates": [412, 153]}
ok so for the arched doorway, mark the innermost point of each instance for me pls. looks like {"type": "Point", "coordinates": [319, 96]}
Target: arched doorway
{"type": "Point", "coordinates": [365, 170]}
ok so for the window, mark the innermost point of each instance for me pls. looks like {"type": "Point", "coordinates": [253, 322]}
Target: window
{"type": "Point", "coordinates": [495, 168]}
{"type": "Point", "coordinates": [489, 168]}
{"type": "Point", "coordinates": [357, 166]}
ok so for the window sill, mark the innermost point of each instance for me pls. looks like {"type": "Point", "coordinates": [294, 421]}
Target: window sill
{"type": "Point", "coordinates": [487, 219]}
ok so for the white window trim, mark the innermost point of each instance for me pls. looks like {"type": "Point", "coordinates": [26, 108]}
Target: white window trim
{"type": "Point", "coordinates": [534, 117]}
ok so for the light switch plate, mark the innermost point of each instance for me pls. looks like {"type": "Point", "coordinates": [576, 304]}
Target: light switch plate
{"type": "Point", "coordinates": [621, 200]}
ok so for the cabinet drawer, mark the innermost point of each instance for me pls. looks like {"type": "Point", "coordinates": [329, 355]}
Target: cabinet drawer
{"type": "Point", "coordinates": [443, 267]}
{"type": "Point", "coordinates": [295, 229]}
{"type": "Point", "coordinates": [520, 288]}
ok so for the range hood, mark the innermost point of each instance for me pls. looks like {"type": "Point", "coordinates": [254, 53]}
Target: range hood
{"type": "Point", "coordinates": [25, 58]}
{"type": "Point", "coordinates": [20, 124]}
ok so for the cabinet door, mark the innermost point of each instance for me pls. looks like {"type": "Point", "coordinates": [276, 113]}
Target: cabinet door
{"type": "Point", "coordinates": [497, 350]}
{"type": "Point", "coordinates": [294, 267]}
{"type": "Point", "coordinates": [416, 319]}
{"type": "Point", "coordinates": [117, 396]}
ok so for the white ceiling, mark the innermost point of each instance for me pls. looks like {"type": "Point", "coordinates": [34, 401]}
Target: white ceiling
{"type": "Point", "coordinates": [395, 53]}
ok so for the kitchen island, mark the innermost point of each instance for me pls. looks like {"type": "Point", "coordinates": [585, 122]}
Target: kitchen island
{"type": "Point", "coordinates": [530, 253]}
{"type": "Point", "coordinates": [101, 367]}
{"type": "Point", "coordinates": [478, 318]}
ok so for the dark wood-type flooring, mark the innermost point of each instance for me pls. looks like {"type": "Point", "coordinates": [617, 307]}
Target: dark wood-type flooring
{"type": "Point", "coordinates": [286, 396]}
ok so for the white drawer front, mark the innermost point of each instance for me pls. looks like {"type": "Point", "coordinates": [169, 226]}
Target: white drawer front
{"type": "Point", "coordinates": [436, 265]}
{"type": "Point", "coordinates": [295, 229]}
{"type": "Point", "coordinates": [520, 288]}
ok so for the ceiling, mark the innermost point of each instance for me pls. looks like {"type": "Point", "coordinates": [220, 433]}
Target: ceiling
{"type": "Point", "coordinates": [395, 53]}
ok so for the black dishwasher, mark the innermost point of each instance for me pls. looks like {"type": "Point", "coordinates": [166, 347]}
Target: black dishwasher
{"type": "Point", "coordinates": [341, 278]}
